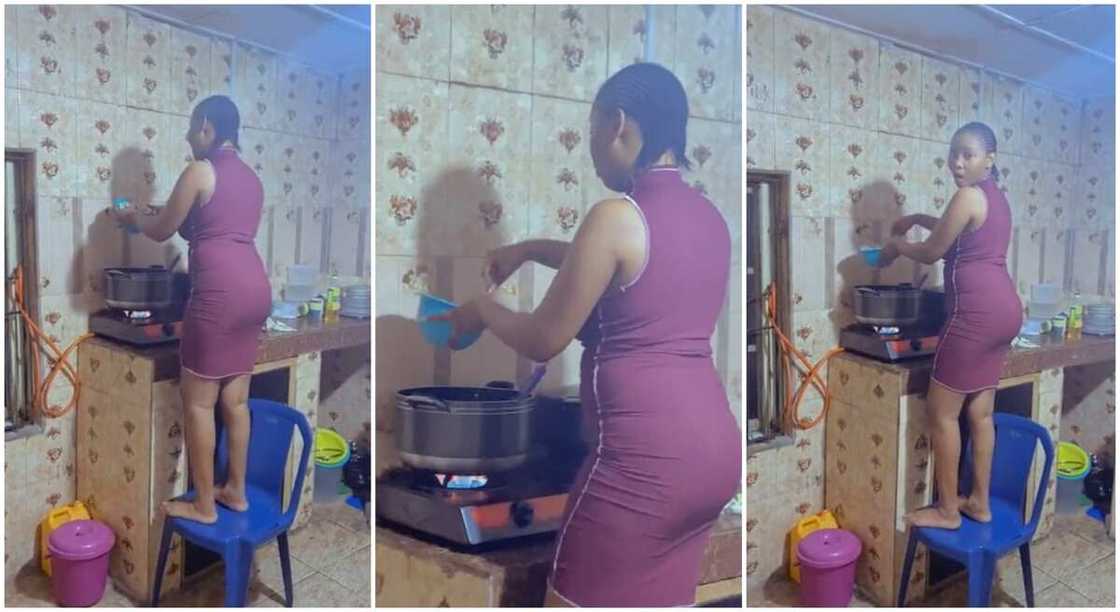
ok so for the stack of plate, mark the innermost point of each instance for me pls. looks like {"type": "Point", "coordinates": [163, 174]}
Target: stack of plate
{"type": "Point", "coordinates": [1100, 320]}
{"type": "Point", "coordinates": [355, 302]}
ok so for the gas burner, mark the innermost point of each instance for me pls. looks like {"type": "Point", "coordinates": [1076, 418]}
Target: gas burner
{"type": "Point", "coordinates": [462, 481]}
{"type": "Point", "coordinates": [138, 315]}
{"type": "Point", "coordinates": [886, 330]}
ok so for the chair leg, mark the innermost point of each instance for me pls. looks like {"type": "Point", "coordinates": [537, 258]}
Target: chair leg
{"type": "Point", "coordinates": [981, 573]}
{"type": "Point", "coordinates": [238, 558]}
{"type": "Point", "coordinates": [907, 565]}
{"type": "Point", "coordinates": [161, 563]}
{"type": "Point", "coordinates": [285, 568]}
{"type": "Point", "coordinates": [1028, 577]}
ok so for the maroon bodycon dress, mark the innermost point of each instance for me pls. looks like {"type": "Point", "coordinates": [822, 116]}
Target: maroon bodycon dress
{"type": "Point", "coordinates": [668, 455]}
{"type": "Point", "coordinates": [230, 294]}
{"type": "Point", "coordinates": [984, 313]}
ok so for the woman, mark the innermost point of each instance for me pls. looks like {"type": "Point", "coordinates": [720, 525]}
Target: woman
{"type": "Point", "coordinates": [215, 205]}
{"type": "Point", "coordinates": [641, 285]}
{"type": "Point", "coordinates": [985, 315]}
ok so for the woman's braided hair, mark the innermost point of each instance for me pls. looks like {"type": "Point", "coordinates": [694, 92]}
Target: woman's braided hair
{"type": "Point", "coordinates": [653, 97]}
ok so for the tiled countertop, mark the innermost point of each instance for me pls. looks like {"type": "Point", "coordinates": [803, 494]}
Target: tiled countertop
{"type": "Point", "coordinates": [524, 569]}
{"type": "Point", "coordinates": [309, 337]}
{"type": "Point", "coordinates": [1052, 353]}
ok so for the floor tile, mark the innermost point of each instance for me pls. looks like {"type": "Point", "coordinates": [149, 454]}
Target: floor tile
{"type": "Point", "coordinates": [344, 515]}
{"type": "Point", "coordinates": [352, 571]}
{"type": "Point", "coordinates": [1097, 583]}
{"type": "Point", "coordinates": [1009, 582]}
{"type": "Point", "coordinates": [318, 590]}
{"type": "Point", "coordinates": [270, 575]}
{"type": "Point", "coordinates": [1061, 596]}
{"type": "Point", "coordinates": [322, 542]}
{"type": "Point", "coordinates": [1065, 554]}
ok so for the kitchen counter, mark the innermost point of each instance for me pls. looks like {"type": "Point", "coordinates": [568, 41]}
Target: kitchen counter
{"type": "Point", "coordinates": [309, 337]}
{"type": "Point", "coordinates": [415, 572]}
{"type": "Point", "coordinates": [1052, 353]}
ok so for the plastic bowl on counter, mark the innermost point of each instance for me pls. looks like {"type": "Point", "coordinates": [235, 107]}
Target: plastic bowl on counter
{"type": "Point", "coordinates": [871, 255]}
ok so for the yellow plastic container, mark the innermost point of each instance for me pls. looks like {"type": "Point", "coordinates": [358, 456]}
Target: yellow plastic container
{"type": "Point", "coordinates": [53, 520]}
{"type": "Point", "coordinates": [801, 529]}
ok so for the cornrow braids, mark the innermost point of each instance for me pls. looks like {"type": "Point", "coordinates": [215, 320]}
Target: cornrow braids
{"type": "Point", "coordinates": [655, 99]}
{"type": "Point", "coordinates": [222, 113]}
{"type": "Point", "coordinates": [986, 136]}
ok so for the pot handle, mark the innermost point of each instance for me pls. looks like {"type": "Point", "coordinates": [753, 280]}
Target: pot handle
{"type": "Point", "coordinates": [423, 401]}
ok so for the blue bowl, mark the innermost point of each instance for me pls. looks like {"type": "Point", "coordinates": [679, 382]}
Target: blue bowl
{"type": "Point", "coordinates": [871, 255]}
{"type": "Point", "coordinates": [438, 333]}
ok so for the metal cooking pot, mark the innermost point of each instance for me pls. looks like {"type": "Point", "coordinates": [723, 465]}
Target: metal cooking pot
{"type": "Point", "coordinates": [464, 430]}
{"type": "Point", "coordinates": [894, 305]}
{"type": "Point", "coordinates": [138, 288]}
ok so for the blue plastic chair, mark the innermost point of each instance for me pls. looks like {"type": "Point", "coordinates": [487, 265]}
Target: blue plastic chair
{"type": "Point", "coordinates": [236, 535]}
{"type": "Point", "coordinates": [979, 545]}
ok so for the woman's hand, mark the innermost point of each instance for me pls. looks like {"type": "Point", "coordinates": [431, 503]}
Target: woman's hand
{"type": "Point", "coordinates": [465, 320]}
{"type": "Point", "coordinates": [889, 253]}
{"type": "Point", "coordinates": [903, 225]}
{"type": "Point", "coordinates": [502, 262]}
{"type": "Point", "coordinates": [126, 217]}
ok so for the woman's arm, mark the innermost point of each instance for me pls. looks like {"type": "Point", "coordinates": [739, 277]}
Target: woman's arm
{"type": "Point", "coordinates": [927, 221]}
{"type": "Point", "coordinates": [611, 233]}
{"type": "Point", "coordinates": [167, 219]}
{"type": "Point", "coordinates": [546, 252]}
{"type": "Point", "coordinates": [967, 204]}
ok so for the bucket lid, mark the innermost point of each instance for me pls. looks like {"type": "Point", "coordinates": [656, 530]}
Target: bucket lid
{"type": "Point", "coordinates": [828, 548]}
{"type": "Point", "coordinates": [1073, 461]}
{"type": "Point", "coordinates": [331, 449]}
{"type": "Point", "coordinates": [81, 540]}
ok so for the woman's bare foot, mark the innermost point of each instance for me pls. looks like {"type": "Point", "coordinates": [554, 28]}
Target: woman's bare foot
{"type": "Point", "coordinates": [226, 496]}
{"type": "Point", "coordinates": [187, 510]}
{"type": "Point", "coordinates": [934, 516]}
{"type": "Point", "coordinates": [976, 510]}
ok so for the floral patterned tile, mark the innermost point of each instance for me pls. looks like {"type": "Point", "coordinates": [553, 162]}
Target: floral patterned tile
{"type": "Point", "coordinates": [569, 50]}
{"type": "Point", "coordinates": [314, 159]}
{"type": "Point", "coordinates": [899, 91]}
{"type": "Point", "coordinates": [311, 235]}
{"type": "Point", "coordinates": [190, 71]}
{"type": "Point", "coordinates": [101, 129]}
{"type": "Point", "coordinates": [1065, 129]}
{"type": "Point", "coordinates": [1005, 110]}
{"type": "Point", "coordinates": [627, 32]}
{"type": "Point", "coordinates": [562, 175]}
{"type": "Point", "coordinates": [936, 187]}
{"type": "Point", "coordinates": [1058, 242]}
{"type": "Point", "coordinates": [55, 221]}
{"type": "Point", "coordinates": [353, 103]}
{"type": "Point", "coordinates": [760, 58]}
{"type": "Point", "coordinates": [489, 358]}
{"type": "Point", "coordinates": [345, 225]}
{"type": "Point", "coordinates": [490, 137]}
{"type": "Point", "coordinates": [801, 66]}
{"type": "Point", "coordinates": [490, 45]}
{"type": "Point", "coordinates": [940, 100]}
{"type": "Point", "coordinates": [854, 193]}
{"type": "Point", "coordinates": [854, 79]}
{"type": "Point", "coordinates": [1029, 268]}
{"type": "Point", "coordinates": [290, 85]}
{"type": "Point", "coordinates": [410, 153]}
{"type": "Point", "coordinates": [707, 59]}
{"type": "Point", "coordinates": [12, 118]}
{"type": "Point", "coordinates": [12, 47]}
{"type": "Point", "coordinates": [1037, 106]}
{"type": "Point", "coordinates": [221, 67]}
{"type": "Point", "coordinates": [898, 171]}
{"type": "Point", "coordinates": [1093, 196]}
{"type": "Point", "coordinates": [150, 140]}
{"type": "Point", "coordinates": [321, 104]}
{"type": "Point", "coordinates": [102, 43]}
{"type": "Point", "coordinates": [414, 40]}
{"type": "Point", "coordinates": [255, 87]}
{"type": "Point", "coordinates": [760, 140]}
{"type": "Point", "coordinates": [49, 124]}
{"type": "Point", "coordinates": [46, 41]}
{"type": "Point", "coordinates": [350, 176]}
{"type": "Point", "coordinates": [804, 146]}
{"type": "Point", "coordinates": [1089, 251]}
{"type": "Point", "coordinates": [1099, 122]}
{"type": "Point", "coordinates": [975, 96]}
{"type": "Point", "coordinates": [148, 83]}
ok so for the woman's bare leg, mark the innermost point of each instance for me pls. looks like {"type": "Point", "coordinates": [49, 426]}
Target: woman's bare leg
{"type": "Point", "coordinates": [944, 408]}
{"type": "Point", "coordinates": [235, 414]}
{"type": "Point", "coordinates": [983, 433]}
{"type": "Point", "coordinates": [199, 396]}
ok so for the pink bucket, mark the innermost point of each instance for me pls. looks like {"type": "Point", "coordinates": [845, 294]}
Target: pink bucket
{"type": "Point", "coordinates": [828, 567]}
{"type": "Point", "coordinates": [80, 562]}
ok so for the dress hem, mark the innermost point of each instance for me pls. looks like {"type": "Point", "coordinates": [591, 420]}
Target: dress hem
{"type": "Point", "coordinates": [214, 377]}
{"type": "Point", "coordinates": [955, 390]}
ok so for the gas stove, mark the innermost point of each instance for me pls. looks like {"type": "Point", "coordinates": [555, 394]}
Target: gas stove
{"type": "Point", "coordinates": [890, 344]}
{"type": "Point", "coordinates": [503, 508]}
{"type": "Point", "coordinates": [141, 328]}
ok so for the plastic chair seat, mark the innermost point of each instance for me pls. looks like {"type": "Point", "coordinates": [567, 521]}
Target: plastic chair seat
{"type": "Point", "coordinates": [261, 522]}
{"type": "Point", "coordinates": [1004, 533]}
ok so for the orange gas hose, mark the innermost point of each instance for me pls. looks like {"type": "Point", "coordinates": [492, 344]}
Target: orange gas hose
{"type": "Point", "coordinates": [792, 357]}
{"type": "Point", "coordinates": [57, 358]}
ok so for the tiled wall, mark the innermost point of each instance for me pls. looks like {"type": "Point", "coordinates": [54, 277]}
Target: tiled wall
{"type": "Point", "coordinates": [103, 95]}
{"type": "Point", "coordinates": [862, 126]}
{"type": "Point", "coordinates": [482, 140]}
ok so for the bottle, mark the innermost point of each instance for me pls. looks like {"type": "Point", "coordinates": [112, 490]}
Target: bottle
{"type": "Point", "coordinates": [1075, 317]}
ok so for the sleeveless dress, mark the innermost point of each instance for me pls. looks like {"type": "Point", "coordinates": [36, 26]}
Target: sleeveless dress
{"type": "Point", "coordinates": [669, 453]}
{"type": "Point", "coordinates": [982, 304]}
{"type": "Point", "coordinates": [230, 293]}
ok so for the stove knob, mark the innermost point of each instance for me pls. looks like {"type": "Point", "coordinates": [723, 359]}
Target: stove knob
{"type": "Point", "coordinates": [522, 513]}
{"type": "Point", "coordinates": [168, 329]}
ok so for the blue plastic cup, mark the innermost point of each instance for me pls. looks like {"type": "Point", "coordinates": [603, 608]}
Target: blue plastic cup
{"type": "Point", "coordinates": [871, 255]}
{"type": "Point", "coordinates": [438, 333]}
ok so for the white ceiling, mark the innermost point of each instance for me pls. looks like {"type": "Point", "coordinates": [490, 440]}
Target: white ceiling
{"type": "Point", "coordinates": [330, 37]}
{"type": "Point", "coordinates": [1032, 49]}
